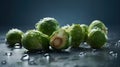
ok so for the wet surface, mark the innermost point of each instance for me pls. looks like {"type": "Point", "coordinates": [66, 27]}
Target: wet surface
{"type": "Point", "coordinates": [84, 56]}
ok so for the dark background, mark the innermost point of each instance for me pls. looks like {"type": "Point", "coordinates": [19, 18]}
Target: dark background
{"type": "Point", "coordinates": [23, 14]}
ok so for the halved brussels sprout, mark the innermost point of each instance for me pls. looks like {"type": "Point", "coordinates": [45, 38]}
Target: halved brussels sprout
{"type": "Point", "coordinates": [98, 24]}
{"type": "Point", "coordinates": [96, 38]}
{"type": "Point", "coordinates": [85, 31]}
{"type": "Point", "coordinates": [35, 40]}
{"type": "Point", "coordinates": [47, 25]}
{"type": "Point", "coordinates": [13, 36]}
{"type": "Point", "coordinates": [60, 39]}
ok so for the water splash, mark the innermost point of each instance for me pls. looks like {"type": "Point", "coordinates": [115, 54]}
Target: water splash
{"type": "Point", "coordinates": [8, 53]}
{"type": "Point", "coordinates": [3, 62]}
{"type": "Point", "coordinates": [25, 57]}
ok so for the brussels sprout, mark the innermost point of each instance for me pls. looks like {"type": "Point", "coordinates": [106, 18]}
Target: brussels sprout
{"type": "Point", "coordinates": [85, 31]}
{"type": "Point", "coordinates": [35, 40]}
{"type": "Point", "coordinates": [66, 28]}
{"type": "Point", "coordinates": [77, 34]}
{"type": "Point", "coordinates": [60, 39]}
{"type": "Point", "coordinates": [98, 24]}
{"type": "Point", "coordinates": [96, 38]}
{"type": "Point", "coordinates": [13, 36]}
{"type": "Point", "coordinates": [47, 25]}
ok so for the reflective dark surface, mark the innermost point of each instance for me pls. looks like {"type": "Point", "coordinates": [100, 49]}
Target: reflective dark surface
{"type": "Point", "coordinates": [84, 56]}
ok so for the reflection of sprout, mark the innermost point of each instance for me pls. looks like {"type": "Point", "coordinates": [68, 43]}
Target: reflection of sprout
{"type": "Point", "coordinates": [96, 38]}
{"type": "Point", "coordinates": [47, 25]}
{"type": "Point", "coordinates": [98, 24]}
{"type": "Point", "coordinates": [85, 31]}
{"type": "Point", "coordinates": [35, 40]}
{"type": "Point", "coordinates": [77, 34]}
{"type": "Point", "coordinates": [60, 39]}
{"type": "Point", "coordinates": [14, 36]}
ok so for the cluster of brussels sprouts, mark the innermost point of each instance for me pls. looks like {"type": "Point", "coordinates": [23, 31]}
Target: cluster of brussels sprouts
{"type": "Point", "coordinates": [49, 33]}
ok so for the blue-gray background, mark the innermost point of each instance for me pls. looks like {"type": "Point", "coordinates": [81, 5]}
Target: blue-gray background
{"type": "Point", "coordinates": [23, 14]}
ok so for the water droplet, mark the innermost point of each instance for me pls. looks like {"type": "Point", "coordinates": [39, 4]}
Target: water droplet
{"type": "Point", "coordinates": [93, 51]}
{"type": "Point", "coordinates": [47, 57]}
{"type": "Point", "coordinates": [3, 62]}
{"type": "Point", "coordinates": [46, 54]}
{"type": "Point", "coordinates": [114, 54]}
{"type": "Point", "coordinates": [111, 52]}
{"type": "Point", "coordinates": [17, 46]}
{"type": "Point", "coordinates": [50, 47]}
{"type": "Point", "coordinates": [117, 44]}
{"type": "Point", "coordinates": [25, 57]}
{"type": "Point", "coordinates": [82, 54]}
{"type": "Point", "coordinates": [8, 53]}
{"type": "Point", "coordinates": [85, 45]}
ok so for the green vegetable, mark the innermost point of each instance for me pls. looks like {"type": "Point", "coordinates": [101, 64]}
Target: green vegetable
{"type": "Point", "coordinates": [48, 33]}
{"type": "Point", "coordinates": [35, 40]}
{"type": "Point", "coordinates": [96, 38]}
{"type": "Point", "coordinates": [13, 36]}
{"type": "Point", "coordinates": [98, 24]}
{"type": "Point", "coordinates": [76, 33]}
{"type": "Point", "coordinates": [60, 39]}
{"type": "Point", "coordinates": [66, 28]}
{"type": "Point", "coordinates": [85, 31]}
{"type": "Point", "coordinates": [47, 25]}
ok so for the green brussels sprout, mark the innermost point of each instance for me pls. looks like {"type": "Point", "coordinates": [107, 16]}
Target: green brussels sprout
{"type": "Point", "coordinates": [76, 34]}
{"type": "Point", "coordinates": [13, 36]}
{"type": "Point", "coordinates": [47, 25]}
{"type": "Point", "coordinates": [35, 40]}
{"type": "Point", "coordinates": [98, 24]}
{"type": "Point", "coordinates": [60, 39]}
{"type": "Point", "coordinates": [96, 38]}
{"type": "Point", "coordinates": [85, 31]}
